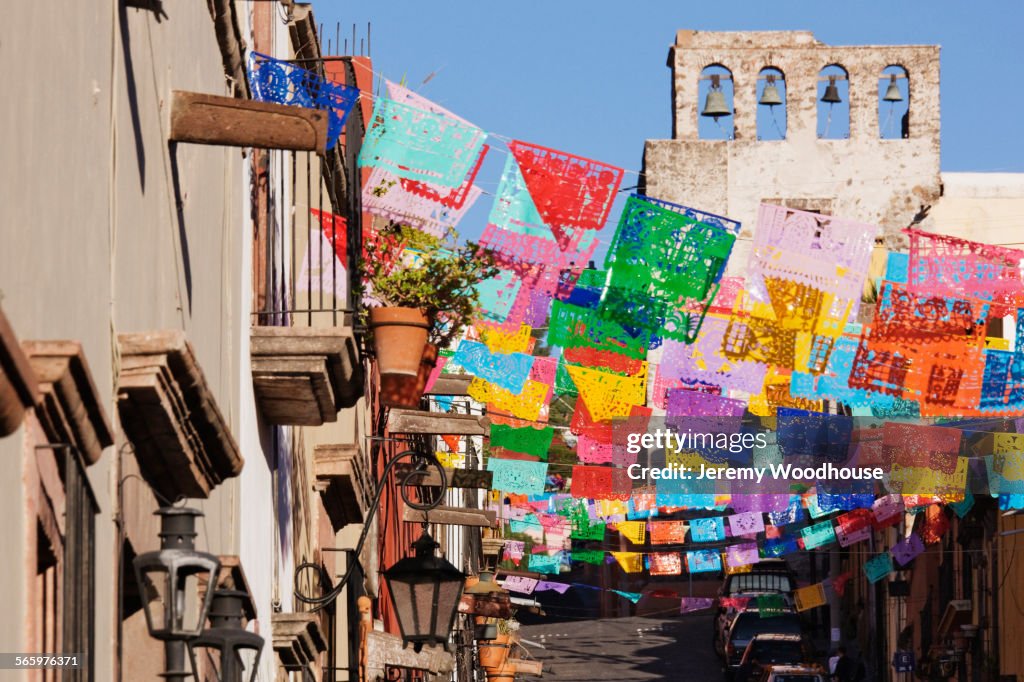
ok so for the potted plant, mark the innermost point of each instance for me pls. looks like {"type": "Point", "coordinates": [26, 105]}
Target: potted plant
{"type": "Point", "coordinates": [419, 304]}
{"type": "Point", "coordinates": [494, 652]}
{"type": "Point", "coordinates": [506, 671]}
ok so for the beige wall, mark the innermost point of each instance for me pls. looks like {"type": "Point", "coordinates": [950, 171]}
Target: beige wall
{"type": "Point", "coordinates": [985, 207]}
{"type": "Point", "coordinates": [91, 242]}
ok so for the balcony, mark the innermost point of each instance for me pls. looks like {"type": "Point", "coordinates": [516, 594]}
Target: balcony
{"type": "Point", "coordinates": [305, 354]}
{"type": "Point", "coordinates": [182, 442]}
{"type": "Point", "coordinates": [344, 482]}
{"type": "Point", "coordinates": [303, 376]}
{"type": "Point", "coordinates": [298, 640]}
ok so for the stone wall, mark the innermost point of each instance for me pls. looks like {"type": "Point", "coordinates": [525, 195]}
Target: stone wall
{"type": "Point", "coordinates": [882, 181]}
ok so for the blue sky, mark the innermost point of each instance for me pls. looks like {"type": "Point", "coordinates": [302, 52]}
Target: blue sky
{"type": "Point", "coordinates": [590, 77]}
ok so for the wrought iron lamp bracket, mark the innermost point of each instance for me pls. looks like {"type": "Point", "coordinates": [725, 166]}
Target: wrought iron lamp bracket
{"type": "Point", "coordinates": [422, 463]}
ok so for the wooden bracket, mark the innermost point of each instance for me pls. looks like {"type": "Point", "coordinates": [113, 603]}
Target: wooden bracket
{"type": "Point", "coordinates": [452, 516]}
{"type": "Point", "coordinates": [233, 122]}
{"type": "Point", "coordinates": [451, 384]}
{"type": "Point", "coordinates": [437, 423]}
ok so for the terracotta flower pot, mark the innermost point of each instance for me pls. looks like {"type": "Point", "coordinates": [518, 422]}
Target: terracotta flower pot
{"type": "Point", "coordinates": [400, 390]}
{"type": "Point", "coordinates": [505, 673]}
{"type": "Point", "coordinates": [494, 653]}
{"type": "Point", "coordinates": [503, 676]}
{"type": "Point", "coordinates": [399, 335]}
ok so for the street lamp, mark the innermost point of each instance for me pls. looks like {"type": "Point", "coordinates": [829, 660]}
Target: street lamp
{"type": "Point", "coordinates": [224, 641]}
{"type": "Point", "coordinates": [425, 591]}
{"type": "Point", "coordinates": [169, 581]}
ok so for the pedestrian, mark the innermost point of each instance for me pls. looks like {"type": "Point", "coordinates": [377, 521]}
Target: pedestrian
{"type": "Point", "coordinates": [845, 669]}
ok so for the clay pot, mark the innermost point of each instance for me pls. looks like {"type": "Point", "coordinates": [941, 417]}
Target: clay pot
{"type": "Point", "coordinates": [505, 673]}
{"type": "Point", "coordinates": [399, 335]}
{"type": "Point", "coordinates": [400, 390]}
{"type": "Point", "coordinates": [494, 653]}
{"type": "Point", "coordinates": [504, 676]}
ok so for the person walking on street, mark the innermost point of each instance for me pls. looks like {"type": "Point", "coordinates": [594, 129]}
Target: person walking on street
{"type": "Point", "coordinates": [845, 668]}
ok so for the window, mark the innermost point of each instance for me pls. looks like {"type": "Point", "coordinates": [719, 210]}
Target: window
{"type": "Point", "coordinates": [833, 103]}
{"type": "Point", "coordinates": [79, 589]}
{"type": "Point", "coordinates": [65, 570]}
{"type": "Point", "coordinates": [759, 583]}
{"type": "Point", "coordinates": [894, 103]}
{"type": "Point", "coordinates": [715, 94]}
{"type": "Point", "coordinates": [46, 599]}
{"type": "Point", "coordinates": [771, 104]}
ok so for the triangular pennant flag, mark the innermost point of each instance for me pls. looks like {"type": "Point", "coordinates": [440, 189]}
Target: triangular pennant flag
{"type": "Point", "coordinates": [569, 191]}
{"type": "Point", "coordinates": [631, 596]}
{"type": "Point", "coordinates": [547, 585]}
{"type": "Point", "coordinates": [453, 442]}
{"type": "Point", "coordinates": [608, 395]}
{"type": "Point", "coordinates": [631, 562]}
{"type": "Point", "coordinates": [635, 531]}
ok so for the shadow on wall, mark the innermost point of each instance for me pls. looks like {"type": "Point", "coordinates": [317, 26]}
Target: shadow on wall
{"type": "Point", "coordinates": [179, 208]}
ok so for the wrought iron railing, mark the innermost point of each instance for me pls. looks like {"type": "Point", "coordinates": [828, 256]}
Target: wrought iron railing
{"type": "Point", "coordinates": [308, 236]}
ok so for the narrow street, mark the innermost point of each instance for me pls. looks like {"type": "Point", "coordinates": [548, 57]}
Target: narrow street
{"type": "Point", "coordinates": [635, 648]}
{"type": "Point", "coordinates": [467, 342]}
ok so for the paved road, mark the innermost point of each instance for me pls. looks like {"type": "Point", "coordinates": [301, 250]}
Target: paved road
{"type": "Point", "coordinates": [626, 649]}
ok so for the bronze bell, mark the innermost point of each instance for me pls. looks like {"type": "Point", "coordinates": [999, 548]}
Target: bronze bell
{"type": "Point", "coordinates": [714, 103]}
{"type": "Point", "coordinates": [892, 93]}
{"type": "Point", "coordinates": [770, 96]}
{"type": "Point", "coordinates": [831, 92]}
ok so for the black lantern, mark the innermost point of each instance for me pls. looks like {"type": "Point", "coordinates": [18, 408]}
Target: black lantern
{"type": "Point", "coordinates": [222, 644]}
{"type": "Point", "coordinates": [169, 582]}
{"type": "Point", "coordinates": [425, 591]}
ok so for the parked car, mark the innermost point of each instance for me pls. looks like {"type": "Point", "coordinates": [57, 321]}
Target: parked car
{"type": "Point", "coordinates": [794, 673]}
{"type": "Point", "coordinates": [727, 612]}
{"type": "Point", "coordinates": [768, 576]}
{"type": "Point", "coordinates": [771, 648]}
{"type": "Point", "coordinates": [749, 623]}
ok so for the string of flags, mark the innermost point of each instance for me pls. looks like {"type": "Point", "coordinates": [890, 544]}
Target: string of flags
{"type": "Point", "coordinates": [768, 605]}
{"type": "Point", "coordinates": [658, 330]}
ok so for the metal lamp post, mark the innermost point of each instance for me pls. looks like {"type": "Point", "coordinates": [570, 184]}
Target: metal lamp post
{"type": "Point", "coordinates": [425, 589]}
{"type": "Point", "coordinates": [169, 580]}
{"type": "Point", "coordinates": [223, 642]}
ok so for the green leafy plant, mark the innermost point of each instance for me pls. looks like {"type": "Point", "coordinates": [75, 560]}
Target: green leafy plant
{"type": "Point", "coordinates": [440, 279]}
